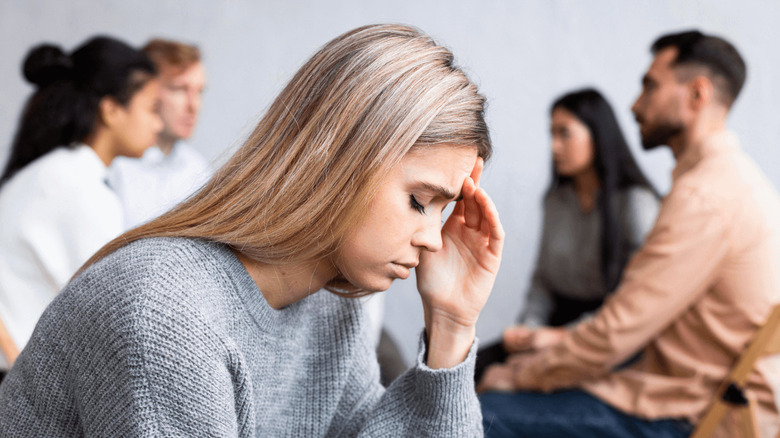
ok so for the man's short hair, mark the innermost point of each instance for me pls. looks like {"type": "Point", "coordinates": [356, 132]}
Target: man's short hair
{"type": "Point", "coordinates": [725, 67]}
{"type": "Point", "coordinates": [171, 53]}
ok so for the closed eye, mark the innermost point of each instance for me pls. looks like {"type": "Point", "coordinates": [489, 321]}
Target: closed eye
{"type": "Point", "coordinates": [416, 205]}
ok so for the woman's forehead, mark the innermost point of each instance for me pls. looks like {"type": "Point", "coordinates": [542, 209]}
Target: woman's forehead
{"type": "Point", "coordinates": [441, 165]}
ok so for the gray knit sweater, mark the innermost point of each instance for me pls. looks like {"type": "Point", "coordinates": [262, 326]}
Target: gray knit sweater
{"type": "Point", "coordinates": [171, 337]}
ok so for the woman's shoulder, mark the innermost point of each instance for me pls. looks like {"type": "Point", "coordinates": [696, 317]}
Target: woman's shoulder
{"type": "Point", "coordinates": [155, 276]}
{"type": "Point", "coordinates": [637, 208]}
{"type": "Point", "coordinates": [185, 256]}
{"type": "Point", "coordinates": [60, 173]}
{"type": "Point", "coordinates": [142, 304]}
{"type": "Point", "coordinates": [60, 188]}
{"type": "Point", "coordinates": [637, 197]}
{"type": "Point", "coordinates": [167, 268]}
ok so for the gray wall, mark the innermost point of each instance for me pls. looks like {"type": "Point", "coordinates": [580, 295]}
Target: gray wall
{"type": "Point", "coordinates": [522, 53]}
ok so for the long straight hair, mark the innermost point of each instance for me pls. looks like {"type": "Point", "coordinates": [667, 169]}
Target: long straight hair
{"type": "Point", "coordinates": [615, 167]}
{"type": "Point", "coordinates": [312, 166]}
{"type": "Point", "coordinates": [64, 107]}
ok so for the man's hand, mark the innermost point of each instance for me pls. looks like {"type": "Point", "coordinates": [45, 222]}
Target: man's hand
{"type": "Point", "coordinates": [497, 378]}
{"type": "Point", "coordinates": [521, 338]}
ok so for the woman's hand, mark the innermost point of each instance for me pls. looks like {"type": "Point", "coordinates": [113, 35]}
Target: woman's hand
{"type": "Point", "coordinates": [521, 338]}
{"type": "Point", "coordinates": [455, 282]}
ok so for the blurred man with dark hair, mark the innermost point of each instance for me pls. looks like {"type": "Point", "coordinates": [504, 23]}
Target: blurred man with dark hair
{"type": "Point", "coordinates": [170, 172]}
{"type": "Point", "coordinates": [691, 298]}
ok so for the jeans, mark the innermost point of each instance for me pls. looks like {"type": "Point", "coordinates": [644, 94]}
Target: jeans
{"type": "Point", "coordinates": [567, 414]}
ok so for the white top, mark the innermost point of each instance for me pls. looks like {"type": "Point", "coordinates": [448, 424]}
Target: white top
{"type": "Point", "coordinates": [374, 307]}
{"type": "Point", "coordinates": [153, 184]}
{"type": "Point", "coordinates": [54, 214]}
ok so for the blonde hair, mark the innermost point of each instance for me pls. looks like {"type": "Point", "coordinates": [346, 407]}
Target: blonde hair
{"type": "Point", "coordinates": [313, 164]}
{"type": "Point", "coordinates": [171, 53]}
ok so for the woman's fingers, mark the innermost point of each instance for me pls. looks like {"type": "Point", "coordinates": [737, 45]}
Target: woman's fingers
{"type": "Point", "coordinates": [471, 209]}
{"type": "Point", "coordinates": [491, 225]}
{"type": "Point", "coordinates": [462, 206]}
{"type": "Point", "coordinates": [476, 172]}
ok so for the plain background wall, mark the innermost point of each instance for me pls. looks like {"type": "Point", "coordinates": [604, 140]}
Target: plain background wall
{"type": "Point", "coordinates": [523, 54]}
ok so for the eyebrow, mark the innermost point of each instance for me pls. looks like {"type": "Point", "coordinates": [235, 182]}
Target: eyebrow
{"type": "Point", "coordinates": [441, 191]}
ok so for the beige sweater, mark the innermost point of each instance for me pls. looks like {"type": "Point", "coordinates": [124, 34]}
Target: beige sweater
{"type": "Point", "coordinates": [690, 299]}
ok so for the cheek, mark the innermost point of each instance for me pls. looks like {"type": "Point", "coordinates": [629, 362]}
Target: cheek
{"type": "Point", "coordinates": [384, 232]}
{"type": "Point", "coordinates": [165, 113]}
{"type": "Point", "coordinates": [586, 155]}
{"type": "Point", "coordinates": [141, 126]}
{"type": "Point", "coordinates": [177, 105]}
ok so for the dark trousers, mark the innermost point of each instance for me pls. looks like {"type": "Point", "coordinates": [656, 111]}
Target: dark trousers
{"type": "Point", "coordinates": [567, 414]}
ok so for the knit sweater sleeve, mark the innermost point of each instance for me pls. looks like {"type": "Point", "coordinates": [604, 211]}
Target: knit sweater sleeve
{"type": "Point", "coordinates": [138, 363]}
{"type": "Point", "coordinates": [422, 402]}
{"type": "Point", "coordinates": [168, 375]}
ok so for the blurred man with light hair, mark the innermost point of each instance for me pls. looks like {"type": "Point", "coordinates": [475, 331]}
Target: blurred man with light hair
{"type": "Point", "coordinates": [171, 171]}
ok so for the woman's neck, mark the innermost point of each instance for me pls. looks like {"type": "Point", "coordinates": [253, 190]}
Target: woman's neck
{"type": "Point", "coordinates": [586, 186]}
{"type": "Point", "coordinates": [102, 145]}
{"type": "Point", "coordinates": [282, 285]}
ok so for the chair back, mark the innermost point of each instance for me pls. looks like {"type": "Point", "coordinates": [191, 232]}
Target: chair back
{"type": "Point", "coordinates": [7, 347]}
{"type": "Point", "coordinates": [731, 395]}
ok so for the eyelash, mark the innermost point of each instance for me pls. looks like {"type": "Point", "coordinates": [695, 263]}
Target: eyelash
{"type": "Point", "coordinates": [416, 205]}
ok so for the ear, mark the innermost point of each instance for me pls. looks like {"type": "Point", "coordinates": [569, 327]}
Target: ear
{"type": "Point", "coordinates": [702, 92]}
{"type": "Point", "coordinates": [108, 110]}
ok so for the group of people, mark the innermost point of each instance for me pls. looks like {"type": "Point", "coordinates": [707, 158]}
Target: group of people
{"type": "Point", "coordinates": [97, 152]}
{"type": "Point", "coordinates": [646, 339]}
{"type": "Point", "coordinates": [207, 317]}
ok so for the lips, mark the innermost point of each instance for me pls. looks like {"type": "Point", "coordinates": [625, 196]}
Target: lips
{"type": "Point", "coordinates": [403, 270]}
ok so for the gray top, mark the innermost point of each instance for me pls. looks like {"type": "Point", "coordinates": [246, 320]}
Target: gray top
{"type": "Point", "coordinates": [569, 259]}
{"type": "Point", "coordinates": [171, 337]}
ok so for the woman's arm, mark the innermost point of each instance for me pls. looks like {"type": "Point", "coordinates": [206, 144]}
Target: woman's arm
{"type": "Point", "coordinates": [422, 402]}
{"type": "Point", "coordinates": [455, 282]}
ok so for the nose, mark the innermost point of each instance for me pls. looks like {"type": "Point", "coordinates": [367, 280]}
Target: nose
{"type": "Point", "coordinates": [193, 101]}
{"type": "Point", "coordinates": [556, 145]}
{"type": "Point", "coordinates": [429, 235]}
{"type": "Point", "coordinates": [635, 106]}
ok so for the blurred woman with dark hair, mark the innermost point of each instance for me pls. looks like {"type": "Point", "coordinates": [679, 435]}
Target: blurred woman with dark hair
{"type": "Point", "coordinates": [89, 107]}
{"type": "Point", "coordinates": [597, 210]}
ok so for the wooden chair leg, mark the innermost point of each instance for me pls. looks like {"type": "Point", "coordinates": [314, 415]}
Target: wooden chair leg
{"type": "Point", "coordinates": [746, 426]}
{"type": "Point", "coordinates": [747, 419]}
{"type": "Point", "coordinates": [7, 346]}
{"type": "Point", "coordinates": [711, 420]}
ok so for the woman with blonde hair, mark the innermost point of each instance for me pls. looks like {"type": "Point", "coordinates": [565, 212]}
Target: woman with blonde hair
{"type": "Point", "coordinates": [208, 321]}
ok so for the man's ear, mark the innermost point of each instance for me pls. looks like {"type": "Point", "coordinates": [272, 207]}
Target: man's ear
{"type": "Point", "coordinates": [108, 110]}
{"type": "Point", "coordinates": [702, 91]}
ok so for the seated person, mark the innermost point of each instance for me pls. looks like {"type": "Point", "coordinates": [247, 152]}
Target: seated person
{"type": "Point", "coordinates": [172, 170]}
{"type": "Point", "coordinates": [597, 211]}
{"type": "Point", "coordinates": [234, 314]}
{"type": "Point", "coordinates": [89, 107]}
{"type": "Point", "coordinates": [689, 300]}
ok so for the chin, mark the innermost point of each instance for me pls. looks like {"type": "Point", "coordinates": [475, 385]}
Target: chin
{"type": "Point", "coordinates": [185, 133]}
{"type": "Point", "coordinates": [375, 285]}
